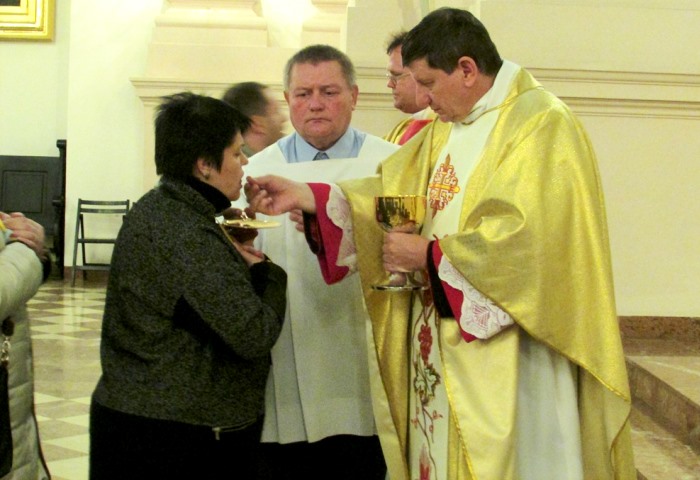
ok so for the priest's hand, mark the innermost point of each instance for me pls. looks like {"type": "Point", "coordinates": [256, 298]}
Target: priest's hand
{"type": "Point", "coordinates": [273, 195]}
{"type": "Point", "coordinates": [404, 252]}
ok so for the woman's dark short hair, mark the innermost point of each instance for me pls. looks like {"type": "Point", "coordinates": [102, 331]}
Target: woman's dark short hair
{"type": "Point", "coordinates": [190, 126]}
{"type": "Point", "coordinates": [447, 34]}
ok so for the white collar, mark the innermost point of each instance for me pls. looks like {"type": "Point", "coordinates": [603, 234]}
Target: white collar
{"type": "Point", "coordinates": [496, 94]}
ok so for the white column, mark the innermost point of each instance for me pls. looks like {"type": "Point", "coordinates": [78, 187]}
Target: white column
{"type": "Point", "coordinates": [205, 46]}
{"type": "Point", "coordinates": [212, 21]}
{"type": "Point", "coordinates": [325, 25]}
{"type": "Point", "coordinates": [369, 25]}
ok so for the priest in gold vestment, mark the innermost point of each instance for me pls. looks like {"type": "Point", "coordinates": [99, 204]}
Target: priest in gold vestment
{"type": "Point", "coordinates": [510, 366]}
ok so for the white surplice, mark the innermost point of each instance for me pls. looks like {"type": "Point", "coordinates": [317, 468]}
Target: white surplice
{"type": "Point", "coordinates": [319, 382]}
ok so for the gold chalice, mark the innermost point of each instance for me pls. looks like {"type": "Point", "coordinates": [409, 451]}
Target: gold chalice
{"type": "Point", "coordinates": [404, 212]}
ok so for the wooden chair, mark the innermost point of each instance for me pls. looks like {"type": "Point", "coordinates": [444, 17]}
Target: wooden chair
{"type": "Point", "coordinates": [87, 208]}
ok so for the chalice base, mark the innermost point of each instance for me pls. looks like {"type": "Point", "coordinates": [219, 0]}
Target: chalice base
{"type": "Point", "coordinates": [399, 288]}
{"type": "Point", "coordinates": [400, 282]}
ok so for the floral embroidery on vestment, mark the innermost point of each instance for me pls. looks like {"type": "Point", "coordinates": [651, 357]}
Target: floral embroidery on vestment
{"type": "Point", "coordinates": [426, 380]}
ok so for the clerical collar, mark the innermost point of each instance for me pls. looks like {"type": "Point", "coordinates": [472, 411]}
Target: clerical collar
{"type": "Point", "coordinates": [496, 95]}
{"type": "Point", "coordinates": [212, 194]}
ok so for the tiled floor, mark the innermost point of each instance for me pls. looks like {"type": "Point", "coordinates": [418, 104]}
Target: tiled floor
{"type": "Point", "coordinates": [65, 324]}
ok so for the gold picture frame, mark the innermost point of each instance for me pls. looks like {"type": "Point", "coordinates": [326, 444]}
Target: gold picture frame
{"type": "Point", "coordinates": [27, 19]}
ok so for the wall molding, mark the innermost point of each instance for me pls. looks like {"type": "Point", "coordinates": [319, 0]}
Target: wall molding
{"type": "Point", "coordinates": [587, 92]}
{"type": "Point", "coordinates": [624, 94]}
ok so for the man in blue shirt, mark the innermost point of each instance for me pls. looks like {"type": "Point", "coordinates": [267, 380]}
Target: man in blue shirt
{"type": "Point", "coordinates": [318, 401]}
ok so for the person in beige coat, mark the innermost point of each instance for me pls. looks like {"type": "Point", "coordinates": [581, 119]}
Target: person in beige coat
{"type": "Point", "coordinates": [23, 266]}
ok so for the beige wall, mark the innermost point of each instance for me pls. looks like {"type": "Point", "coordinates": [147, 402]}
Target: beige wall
{"type": "Point", "coordinates": [630, 71]}
{"type": "Point", "coordinates": [34, 91]}
{"type": "Point", "coordinates": [650, 172]}
{"type": "Point", "coordinates": [627, 67]}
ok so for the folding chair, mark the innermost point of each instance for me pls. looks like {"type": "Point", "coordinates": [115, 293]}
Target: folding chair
{"type": "Point", "coordinates": [88, 208]}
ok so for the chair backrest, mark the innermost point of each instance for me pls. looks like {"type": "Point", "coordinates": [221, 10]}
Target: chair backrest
{"type": "Point", "coordinates": [89, 207]}
{"type": "Point", "coordinates": [103, 206]}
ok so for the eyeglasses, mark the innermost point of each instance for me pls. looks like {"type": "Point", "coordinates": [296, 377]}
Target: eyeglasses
{"type": "Point", "coordinates": [395, 78]}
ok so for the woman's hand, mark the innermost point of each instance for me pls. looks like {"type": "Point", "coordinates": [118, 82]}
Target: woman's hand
{"type": "Point", "coordinates": [26, 231]}
{"type": "Point", "coordinates": [249, 253]}
{"type": "Point", "coordinates": [242, 234]}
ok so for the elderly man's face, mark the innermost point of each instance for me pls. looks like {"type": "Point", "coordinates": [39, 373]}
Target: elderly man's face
{"type": "Point", "coordinates": [320, 102]}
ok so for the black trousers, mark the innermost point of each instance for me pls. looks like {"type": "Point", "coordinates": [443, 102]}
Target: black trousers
{"type": "Point", "coordinates": [341, 457]}
{"type": "Point", "coordinates": [124, 446]}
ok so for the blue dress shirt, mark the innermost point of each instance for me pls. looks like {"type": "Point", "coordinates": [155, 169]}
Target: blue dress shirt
{"type": "Point", "coordinates": [295, 149]}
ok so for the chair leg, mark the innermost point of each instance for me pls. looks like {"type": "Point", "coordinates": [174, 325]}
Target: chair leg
{"type": "Point", "coordinates": [72, 279]}
{"type": "Point", "coordinates": [75, 247]}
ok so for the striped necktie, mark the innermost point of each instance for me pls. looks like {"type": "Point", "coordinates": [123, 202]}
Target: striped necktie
{"type": "Point", "coordinates": [321, 156]}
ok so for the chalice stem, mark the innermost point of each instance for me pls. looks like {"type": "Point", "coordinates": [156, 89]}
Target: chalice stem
{"type": "Point", "coordinates": [402, 213]}
{"type": "Point", "coordinates": [412, 282]}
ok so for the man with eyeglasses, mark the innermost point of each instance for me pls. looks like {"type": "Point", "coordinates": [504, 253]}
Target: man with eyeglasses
{"type": "Point", "coordinates": [403, 89]}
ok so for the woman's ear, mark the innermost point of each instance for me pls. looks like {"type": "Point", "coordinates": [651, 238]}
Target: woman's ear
{"type": "Point", "coordinates": [202, 169]}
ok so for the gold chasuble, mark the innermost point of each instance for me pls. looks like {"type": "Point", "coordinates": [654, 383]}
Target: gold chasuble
{"type": "Point", "coordinates": [397, 132]}
{"type": "Point", "coordinates": [532, 237]}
